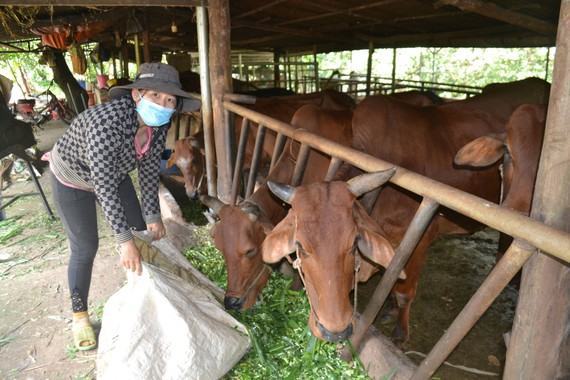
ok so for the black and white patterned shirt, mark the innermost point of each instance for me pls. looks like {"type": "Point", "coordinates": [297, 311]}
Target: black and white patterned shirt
{"type": "Point", "coordinates": [96, 154]}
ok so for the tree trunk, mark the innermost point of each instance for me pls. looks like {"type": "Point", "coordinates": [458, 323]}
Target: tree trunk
{"type": "Point", "coordinates": [75, 95]}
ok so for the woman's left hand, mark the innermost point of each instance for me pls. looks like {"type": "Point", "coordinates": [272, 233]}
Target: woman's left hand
{"type": "Point", "coordinates": [157, 230]}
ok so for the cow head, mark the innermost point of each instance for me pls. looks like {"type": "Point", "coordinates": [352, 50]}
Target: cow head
{"type": "Point", "coordinates": [189, 156]}
{"type": "Point", "coordinates": [238, 235]}
{"type": "Point", "coordinates": [328, 228]}
{"type": "Point", "coordinates": [518, 148]}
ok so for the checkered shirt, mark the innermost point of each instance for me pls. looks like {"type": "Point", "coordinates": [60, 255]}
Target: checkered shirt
{"type": "Point", "coordinates": [97, 152]}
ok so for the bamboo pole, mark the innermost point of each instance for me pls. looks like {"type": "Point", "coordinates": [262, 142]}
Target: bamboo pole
{"type": "Point", "coordinates": [202, 32]}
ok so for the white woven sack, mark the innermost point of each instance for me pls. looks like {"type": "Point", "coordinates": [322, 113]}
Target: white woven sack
{"type": "Point", "coordinates": [159, 327]}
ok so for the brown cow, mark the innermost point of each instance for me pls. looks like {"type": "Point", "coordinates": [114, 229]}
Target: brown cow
{"type": "Point", "coordinates": [500, 99]}
{"type": "Point", "coordinates": [418, 98]}
{"type": "Point", "coordinates": [280, 108]}
{"type": "Point", "coordinates": [421, 139]}
{"type": "Point", "coordinates": [189, 157]}
{"type": "Point", "coordinates": [242, 229]}
{"type": "Point", "coordinates": [518, 148]}
{"type": "Point", "coordinates": [325, 226]}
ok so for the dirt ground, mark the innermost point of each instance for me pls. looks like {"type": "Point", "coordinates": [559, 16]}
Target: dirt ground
{"type": "Point", "coordinates": [35, 334]}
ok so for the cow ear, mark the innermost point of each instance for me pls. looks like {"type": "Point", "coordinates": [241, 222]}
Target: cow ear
{"type": "Point", "coordinates": [482, 151]}
{"type": "Point", "coordinates": [171, 161]}
{"type": "Point", "coordinates": [281, 241]}
{"type": "Point", "coordinates": [370, 243]}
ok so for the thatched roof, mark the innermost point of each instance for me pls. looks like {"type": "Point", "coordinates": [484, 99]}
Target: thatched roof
{"type": "Point", "coordinates": [307, 25]}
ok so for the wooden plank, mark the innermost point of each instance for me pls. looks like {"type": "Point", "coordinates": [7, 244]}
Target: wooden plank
{"type": "Point", "coordinates": [491, 10]}
{"type": "Point", "coordinates": [221, 83]}
{"type": "Point", "coordinates": [103, 3]}
{"type": "Point", "coordinates": [348, 11]}
{"type": "Point", "coordinates": [540, 342]}
{"type": "Point", "coordinates": [259, 9]}
{"type": "Point", "coordinates": [312, 34]}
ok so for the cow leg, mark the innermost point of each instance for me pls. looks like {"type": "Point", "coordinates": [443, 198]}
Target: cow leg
{"type": "Point", "coordinates": [405, 291]}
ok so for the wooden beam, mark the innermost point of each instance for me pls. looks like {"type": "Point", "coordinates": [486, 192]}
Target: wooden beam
{"type": "Point", "coordinates": [221, 83]}
{"type": "Point", "coordinates": [259, 9]}
{"type": "Point", "coordinates": [106, 3]}
{"type": "Point", "coordinates": [493, 11]}
{"type": "Point", "coordinates": [540, 342]}
{"type": "Point", "coordinates": [348, 11]}
{"type": "Point", "coordinates": [290, 31]}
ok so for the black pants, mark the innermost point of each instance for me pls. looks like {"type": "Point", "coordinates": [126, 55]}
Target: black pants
{"type": "Point", "coordinates": [77, 211]}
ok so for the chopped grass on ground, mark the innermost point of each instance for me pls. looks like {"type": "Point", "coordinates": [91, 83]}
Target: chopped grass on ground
{"type": "Point", "coordinates": [8, 229]}
{"type": "Point", "coordinates": [282, 345]}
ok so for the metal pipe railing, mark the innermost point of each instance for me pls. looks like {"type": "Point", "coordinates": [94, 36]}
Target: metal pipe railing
{"type": "Point", "coordinates": [543, 237]}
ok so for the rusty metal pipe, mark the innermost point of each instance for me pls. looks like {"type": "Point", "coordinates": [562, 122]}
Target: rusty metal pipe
{"type": "Point", "coordinates": [239, 159]}
{"type": "Point", "coordinates": [240, 98]}
{"type": "Point", "coordinates": [300, 165]}
{"type": "Point", "coordinates": [333, 168]}
{"type": "Point", "coordinates": [547, 239]}
{"type": "Point", "coordinates": [257, 151]}
{"type": "Point", "coordinates": [513, 260]}
{"type": "Point", "coordinates": [414, 233]}
{"type": "Point", "coordinates": [277, 149]}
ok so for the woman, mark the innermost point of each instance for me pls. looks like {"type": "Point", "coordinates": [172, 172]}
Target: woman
{"type": "Point", "coordinates": [91, 162]}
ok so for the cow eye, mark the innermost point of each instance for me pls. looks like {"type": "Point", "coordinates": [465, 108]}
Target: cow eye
{"type": "Point", "coordinates": [250, 253]}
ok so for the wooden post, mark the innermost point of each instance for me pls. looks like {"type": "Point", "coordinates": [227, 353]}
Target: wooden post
{"type": "Point", "coordinates": [240, 66]}
{"type": "Point", "coordinates": [539, 347]}
{"type": "Point", "coordinates": [547, 64]}
{"type": "Point", "coordinates": [146, 38]}
{"type": "Point", "coordinates": [276, 72]}
{"type": "Point", "coordinates": [137, 51]}
{"type": "Point", "coordinates": [288, 71]}
{"type": "Point", "coordinates": [369, 67]}
{"type": "Point", "coordinates": [316, 68]}
{"type": "Point", "coordinates": [297, 74]}
{"type": "Point", "coordinates": [221, 81]}
{"type": "Point", "coordinates": [125, 58]}
{"type": "Point", "coordinates": [205, 92]}
{"type": "Point", "coordinates": [394, 70]}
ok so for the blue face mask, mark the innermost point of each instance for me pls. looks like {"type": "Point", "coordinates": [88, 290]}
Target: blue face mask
{"type": "Point", "coordinates": [152, 114]}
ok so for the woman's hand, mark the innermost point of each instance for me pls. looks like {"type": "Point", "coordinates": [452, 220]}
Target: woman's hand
{"type": "Point", "coordinates": [131, 257]}
{"type": "Point", "coordinates": [157, 230]}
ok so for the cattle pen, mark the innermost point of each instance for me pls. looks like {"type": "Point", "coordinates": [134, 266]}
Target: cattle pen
{"type": "Point", "coordinates": [540, 340]}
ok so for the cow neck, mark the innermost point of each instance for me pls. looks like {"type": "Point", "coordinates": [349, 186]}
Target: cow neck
{"type": "Point", "coordinates": [297, 264]}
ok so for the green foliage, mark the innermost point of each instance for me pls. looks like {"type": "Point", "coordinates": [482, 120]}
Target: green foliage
{"type": "Point", "coordinates": [8, 229]}
{"type": "Point", "coordinates": [282, 345]}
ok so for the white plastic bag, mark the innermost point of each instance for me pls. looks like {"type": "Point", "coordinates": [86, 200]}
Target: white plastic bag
{"type": "Point", "coordinates": [159, 327]}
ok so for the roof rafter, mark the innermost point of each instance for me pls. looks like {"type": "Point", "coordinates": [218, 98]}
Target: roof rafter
{"type": "Point", "coordinates": [104, 3]}
{"type": "Point", "coordinates": [493, 11]}
{"type": "Point", "coordinates": [290, 31]}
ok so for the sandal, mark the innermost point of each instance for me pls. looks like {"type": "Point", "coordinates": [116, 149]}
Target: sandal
{"type": "Point", "coordinates": [83, 335]}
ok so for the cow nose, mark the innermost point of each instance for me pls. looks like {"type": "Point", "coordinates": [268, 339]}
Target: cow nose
{"type": "Point", "coordinates": [334, 336]}
{"type": "Point", "coordinates": [232, 303]}
{"type": "Point", "coordinates": [192, 195]}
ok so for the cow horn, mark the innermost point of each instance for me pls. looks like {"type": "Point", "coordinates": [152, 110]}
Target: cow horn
{"type": "Point", "coordinates": [369, 181]}
{"type": "Point", "coordinates": [284, 192]}
{"type": "Point", "coordinates": [214, 203]}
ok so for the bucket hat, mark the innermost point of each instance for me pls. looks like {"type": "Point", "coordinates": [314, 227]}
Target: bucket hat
{"type": "Point", "coordinates": [159, 77]}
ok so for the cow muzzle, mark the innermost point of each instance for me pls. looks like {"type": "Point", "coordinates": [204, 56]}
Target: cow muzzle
{"type": "Point", "coordinates": [233, 303]}
{"type": "Point", "coordinates": [330, 336]}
